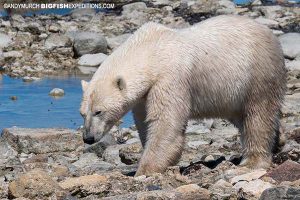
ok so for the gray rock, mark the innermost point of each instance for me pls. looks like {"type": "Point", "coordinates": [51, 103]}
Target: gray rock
{"type": "Point", "coordinates": [92, 60]}
{"type": "Point", "coordinates": [43, 140]}
{"type": "Point", "coordinates": [57, 40]}
{"type": "Point", "coordinates": [56, 92]}
{"type": "Point", "coordinates": [99, 147]}
{"type": "Point", "coordinates": [89, 43]}
{"type": "Point", "coordinates": [89, 163]}
{"type": "Point", "coordinates": [5, 40]}
{"type": "Point", "coordinates": [280, 193]}
{"type": "Point", "coordinates": [290, 43]}
{"type": "Point", "coordinates": [118, 40]}
{"type": "Point", "coordinates": [7, 152]}
{"type": "Point", "coordinates": [267, 22]}
{"type": "Point", "coordinates": [227, 7]}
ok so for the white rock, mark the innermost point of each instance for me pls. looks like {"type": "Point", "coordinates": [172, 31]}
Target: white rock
{"type": "Point", "coordinates": [87, 70]}
{"type": "Point", "coordinates": [12, 54]}
{"type": "Point", "coordinates": [92, 60]}
{"type": "Point", "coordinates": [57, 92]}
{"type": "Point", "coordinates": [256, 174]}
{"type": "Point", "coordinates": [290, 43]}
{"type": "Point", "coordinates": [196, 144]}
{"type": "Point", "coordinates": [5, 40]}
{"type": "Point", "coordinates": [293, 65]}
{"type": "Point", "coordinates": [253, 188]}
{"type": "Point", "coordinates": [267, 22]}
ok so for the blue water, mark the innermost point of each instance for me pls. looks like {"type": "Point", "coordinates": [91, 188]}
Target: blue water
{"type": "Point", "coordinates": [34, 108]}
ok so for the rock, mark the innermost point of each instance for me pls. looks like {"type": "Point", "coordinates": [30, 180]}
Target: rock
{"type": "Point", "coordinates": [267, 22]}
{"type": "Point", "coordinates": [7, 153]}
{"type": "Point", "coordinates": [57, 92]}
{"type": "Point", "coordinates": [287, 171]}
{"type": "Point", "coordinates": [13, 98]}
{"type": "Point", "coordinates": [89, 163]}
{"type": "Point", "coordinates": [89, 43]}
{"type": "Point", "coordinates": [92, 60]}
{"type": "Point", "coordinates": [131, 153]}
{"type": "Point", "coordinates": [5, 40]}
{"type": "Point", "coordinates": [118, 40]}
{"type": "Point", "coordinates": [256, 174]}
{"type": "Point", "coordinates": [272, 12]}
{"type": "Point", "coordinates": [252, 189]}
{"type": "Point", "coordinates": [12, 54]}
{"type": "Point", "coordinates": [256, 3]}
{"type": "Point", "coordinates": [227, 7]}
{"type": "Point", "coordinates": [222, 190]}
{"type": "Point", "coordinates": [87, 70]}
{"type": "Point", "coordinates": [99, 147]}
{"type": "Point", "coordinates": [196, 144]}
{"type": "Point", "coordinates": [35, 184]}
{"type": "Point", "coordinates": [30, 79]}
{"type": "Point", "coordinates": [33, 28]}
{"type": "Point", "coordinates": [57, 40]}
{"type": "Point", "coordinates": [293, 65]}
{"type": "Point", "coordinates": [192, 191]}
{"type": "Point", "coordinates": [290, 43]}
{"type": "Point", "coordinates": [43, 140]}
{"type": "Point", "coordinates": [291, 104]}
{"type": "Point", "coordinates": [280, 193]}
{"type": "Point", "coordinates": [83, 181]}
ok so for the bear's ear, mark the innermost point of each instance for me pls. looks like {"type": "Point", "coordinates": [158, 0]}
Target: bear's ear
{"type": "Point", "coordinates": [120, 83]}
{"type": "Point", "coordinates": [84, 85]}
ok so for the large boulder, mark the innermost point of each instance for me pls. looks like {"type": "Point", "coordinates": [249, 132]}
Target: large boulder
{"type": "Point", "coordinates": [35, 184]}
{"type": "Point", "coordinates": [44, 140]}
{"type": "Point", "coordinates": [89, 43]}
{"type": "Point", "coordinates": [290, 43]}
{"type": "Point", "coordinates": [92, 60]}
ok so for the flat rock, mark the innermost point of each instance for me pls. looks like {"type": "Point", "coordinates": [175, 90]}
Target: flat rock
{"type": "Point", "coordinates": [77, 182]}
{"type": "Point", "coordinates": [89, 163]}
{"type": "Point", "coordinates": [287, 171]}
{"type": "Point", "coordinates": [92, 60]}
{"type": "Point", "coordinates": [290, 43]}
{"type": "Point", "coordinates": [43, 140]}
{"type": "Point", "coordinates": [291, 105]}
{"type": "Point", "coordinates": [35, 184]}
{"type": "Point", "coordinates": [256, 174]}
{"type": "Point", "coordinates": [57, 40]}
{"type": "Point", "coordinates": [253, 188]}
{"type": "Point", "coordinates": [282, 192]}
{"type": "Point", "coordinates": [267, 22]}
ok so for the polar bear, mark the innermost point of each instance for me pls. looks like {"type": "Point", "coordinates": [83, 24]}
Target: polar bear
{"type": "Point", "coordinates": [225, 67]}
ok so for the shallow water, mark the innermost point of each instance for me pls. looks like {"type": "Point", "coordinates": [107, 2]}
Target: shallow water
{"type": "Point", "coordinates": [34, 108]}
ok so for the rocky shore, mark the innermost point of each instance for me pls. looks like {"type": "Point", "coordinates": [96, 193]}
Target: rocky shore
{"type": "Point", "coordinates": [56, 164]}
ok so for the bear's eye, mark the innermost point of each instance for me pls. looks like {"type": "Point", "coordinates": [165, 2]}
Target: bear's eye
{"type": "Point", "coordinates": [97, 113]}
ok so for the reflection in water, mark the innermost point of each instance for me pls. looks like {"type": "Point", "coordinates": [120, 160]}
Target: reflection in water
{"type": "Point", "coordinates": [35, 108]}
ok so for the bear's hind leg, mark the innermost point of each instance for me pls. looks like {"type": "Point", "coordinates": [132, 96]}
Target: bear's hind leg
{"type": "Point", "coordinates": [139, 115]}
{"type": "Point", "coordinates": [260, 134]}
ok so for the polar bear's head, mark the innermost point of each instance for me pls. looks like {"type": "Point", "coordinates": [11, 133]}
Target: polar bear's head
{"type": "Point", "coordinates": [108, 97]}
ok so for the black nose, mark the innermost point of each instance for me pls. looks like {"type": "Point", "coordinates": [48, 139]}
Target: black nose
{"type": "Point", "coordinates": [89, 140]}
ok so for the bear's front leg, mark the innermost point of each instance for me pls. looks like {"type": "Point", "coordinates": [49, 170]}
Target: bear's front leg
{"type": "Point", "coordinates": [166, 121]}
